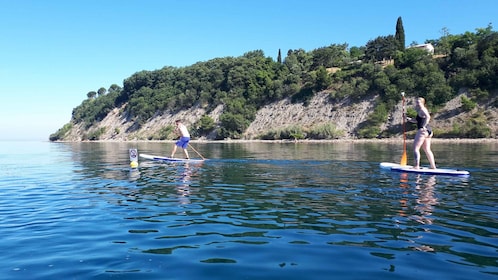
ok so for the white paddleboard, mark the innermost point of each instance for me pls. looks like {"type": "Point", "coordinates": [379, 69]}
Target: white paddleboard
{"type": "Point", "coordinates": [168, 159]}
{"type": "Point", "coordinates": [423, 170]}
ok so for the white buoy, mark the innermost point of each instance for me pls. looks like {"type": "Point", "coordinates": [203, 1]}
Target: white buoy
{"type": "Point", "coordinates": [133, 158]}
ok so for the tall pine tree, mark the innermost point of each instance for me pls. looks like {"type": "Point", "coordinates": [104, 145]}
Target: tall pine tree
{"type": "Point", "coordinates": [400, 35]}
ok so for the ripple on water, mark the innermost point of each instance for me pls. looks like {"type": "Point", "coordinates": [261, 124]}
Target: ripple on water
{"type": "Point", "coordinates": [90, 216]}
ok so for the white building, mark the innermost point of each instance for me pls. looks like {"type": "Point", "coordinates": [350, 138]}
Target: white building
{"type": "Point", "coordinates": [428, 47]}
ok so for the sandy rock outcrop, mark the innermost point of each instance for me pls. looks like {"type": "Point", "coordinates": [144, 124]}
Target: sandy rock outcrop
{"type": "Point", "coordinates": [346, 115]}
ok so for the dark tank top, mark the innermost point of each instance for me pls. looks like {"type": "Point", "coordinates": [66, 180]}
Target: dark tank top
{"type": "Point", "coordinates": [420, 124]}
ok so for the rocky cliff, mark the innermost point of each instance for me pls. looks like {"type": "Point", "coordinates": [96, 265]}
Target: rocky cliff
{"type": "Point", "coordinates": [345, 115]}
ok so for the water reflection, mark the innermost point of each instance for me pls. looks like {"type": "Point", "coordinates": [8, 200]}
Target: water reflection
{"type": "Point", "coordinates": [405, 187]}
{"type": "Point", "coordinates": [417, 203]}
{"type": "Point", "coordinates": [163, 181]}
{"type": "Point", "coordinates": [183, 187]}
{"type": "Point", "coordinates": [282, 207]}
{"type": "Point", "coordinates": [426, 199]}
{"type": "Point", "coordinates": [425, 202]}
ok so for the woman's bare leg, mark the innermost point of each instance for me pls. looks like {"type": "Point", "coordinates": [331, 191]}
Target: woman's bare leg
{"type": "Point", "coordinates": [428, 152]}
{"type": "Point", "coordinates": [417, 143]}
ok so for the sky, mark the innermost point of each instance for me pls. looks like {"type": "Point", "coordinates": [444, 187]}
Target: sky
{"type": "Point", "coordinates": [53, 52]}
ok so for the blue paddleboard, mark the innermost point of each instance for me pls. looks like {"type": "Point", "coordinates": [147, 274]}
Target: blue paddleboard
{"type": "Point", "coordinates": [168, 159]}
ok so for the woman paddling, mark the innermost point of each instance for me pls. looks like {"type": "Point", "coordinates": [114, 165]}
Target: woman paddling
{"type": "Point", "coordinates": [424, 134]}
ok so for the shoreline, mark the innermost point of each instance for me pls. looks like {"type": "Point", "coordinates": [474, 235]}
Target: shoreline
{"type": "Point", "coordinates": [383, 140]}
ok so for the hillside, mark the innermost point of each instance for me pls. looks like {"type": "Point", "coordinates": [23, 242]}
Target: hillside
{"type": "Point", "coordinates": [327, 93]}
{"type": "Point", "coordinates": [345, 115]}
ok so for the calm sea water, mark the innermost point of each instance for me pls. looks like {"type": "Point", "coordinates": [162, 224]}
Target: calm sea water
{"type": "Point", "coordinates": [252, 211]}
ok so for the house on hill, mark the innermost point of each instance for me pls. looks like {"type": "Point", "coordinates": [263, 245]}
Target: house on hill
{"type": "Point", "coordinates": [428, 47]}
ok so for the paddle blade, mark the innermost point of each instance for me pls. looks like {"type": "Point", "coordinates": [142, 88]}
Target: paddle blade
{"type": "Point", "coordinates": [404, 158]}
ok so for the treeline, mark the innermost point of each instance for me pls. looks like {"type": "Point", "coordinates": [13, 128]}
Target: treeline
{"type": "Point", "coordinates": [244, 84]}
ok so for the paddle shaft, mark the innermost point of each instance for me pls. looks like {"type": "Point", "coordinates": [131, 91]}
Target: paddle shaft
{"type": "Point", "coordinates": [404, 158]}
{"type": "Point", "coordinates": [195, 151]}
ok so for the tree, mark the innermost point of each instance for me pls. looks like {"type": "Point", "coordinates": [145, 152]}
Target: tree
{"type": "Point", "coordinates": [323, 79]}
{"type": "Point", "coordinates": [443, 45]}
{"type": "Point", "coordinates": [205, 125]}
{"type": "Point", "coordinates": [382, 47]}
{"type": "Point", "coordinates": [331, 56]}
{"type": "Point", "coordinates": [114, 88]}
{"type": "Point", "coordinates": [91, 94]}
{"type": "Point", "coordinates": [279, 58]}
{"type": "Point", "coordinates": [400, 35]}
{"type": "Point", "coordinates": [410, 56]}
{"type": "Point", "coordinates": [101, 91]}
{"type": "Point", "coordinates": [356, 53]}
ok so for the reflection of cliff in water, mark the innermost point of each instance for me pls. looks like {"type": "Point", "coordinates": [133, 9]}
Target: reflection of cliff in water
{"type": "Point", "coordinates": [101, 159]}
{"type": "Point", "coordinates": [339, 151]}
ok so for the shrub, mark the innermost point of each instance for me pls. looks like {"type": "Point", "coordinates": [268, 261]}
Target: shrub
{"type": "Point", "coordinates": [324, 131]}
{"type": "Point", "coordinates": [96, 134]}
{"type": "Point", "coordinates": [204, 125]}
{"type": "Point", "coordinates": [477, 127]}
{"type": "Point", "coordinates": [59, 135]}
{"type": "Point", "coordinates": [164, 133]}
{"type": "Point", "coordinates": [369, 132]}
{"type": "Point", "coordinates": [293, 132]}
{"type": "Point", "coordinates": [467, 104]}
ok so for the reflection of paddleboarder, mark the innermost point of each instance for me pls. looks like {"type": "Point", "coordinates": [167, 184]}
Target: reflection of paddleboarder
{"type": "Point", "coordinates": [183, 188]}
{"type": "Point", "coordinates": [181, 130]}
{"type": "Point", "coordinates": [426, 199]}
{"type": "Point", "coordinates": [425, 206]}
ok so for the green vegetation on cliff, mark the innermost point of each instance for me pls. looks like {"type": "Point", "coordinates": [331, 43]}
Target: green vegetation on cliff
{"type": "Point", "coordinates": [244, 84]}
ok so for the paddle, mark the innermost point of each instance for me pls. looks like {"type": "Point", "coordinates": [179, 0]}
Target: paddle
{"type": "Point", "coordinates": [196, 151]}
{"type": "Point", "coordinates": [404, 158]}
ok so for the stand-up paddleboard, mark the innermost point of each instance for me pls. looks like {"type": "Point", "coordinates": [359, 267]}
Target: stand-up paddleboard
{"type": "Point", "coordinates": [423, 170]}
{"type": "Point", "coordinates": [168, 159]}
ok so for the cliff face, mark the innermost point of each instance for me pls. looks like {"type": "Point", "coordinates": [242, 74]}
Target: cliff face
{"type": "Point", "coordinates": [345, 115]}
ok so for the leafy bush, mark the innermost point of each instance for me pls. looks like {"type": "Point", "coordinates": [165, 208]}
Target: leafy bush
{"type": "Point", "coordinates": [371, 127]}
{"type": "Point", "coordinates": [467, 104]}
{"type": "Point", "coordinates": [164, 133]}
{"type": "Point", "coordinates": [369, 132]}
{"type": "Point", "coordinates": [203, 126]}
{"type": "Point", "coordinates": [59, 135]}
{"type": "Point", "coordinates": [293, 132]}
{"type": "Point", "coordinates": [475, 127]}
{"type": "Point", "coordinates": [324, 131]}
{"type": "Point", "coordinates": [95, 134]}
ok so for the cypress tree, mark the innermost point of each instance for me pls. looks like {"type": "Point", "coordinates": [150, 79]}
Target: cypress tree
{"type": "Point", "coordinates": [279, 58]}
{"type": "Point", "coordinates": [400, 35]}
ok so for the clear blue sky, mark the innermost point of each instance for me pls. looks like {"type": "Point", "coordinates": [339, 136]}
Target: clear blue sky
{"type": "Point", "coordinates": [53, 52]}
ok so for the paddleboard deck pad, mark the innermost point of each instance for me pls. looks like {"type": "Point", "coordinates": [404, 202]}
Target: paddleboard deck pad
{"type": "Point", "coordinates": [168, 159]}
{"type": "Point", "coordinates": [423, 170]}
